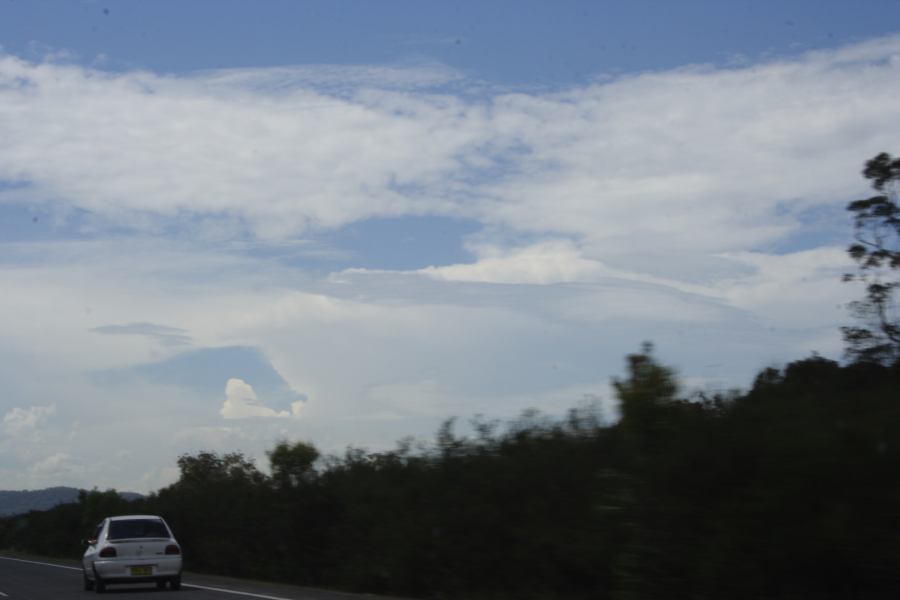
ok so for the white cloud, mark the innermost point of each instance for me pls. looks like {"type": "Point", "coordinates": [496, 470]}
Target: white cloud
{"type": "Point", "coordinates": [698, 159]}
{"type": "Point", "coordinates": [545, 263]}
{"type": "Point", "coordinates": [800, 289]}
{"type": "Point", "coordinates": [158, 478]}
{"type": "Point", "coordinates": [381, 355]}
{"type": "Point", "coordinates": [639, 208]}
{"type": "Point", "coordinates": [241, 403]}
{"type": "Point", "coordinates": [400, 399]}
{"type": "Point", "coordinates": [205, 437]}
{"type": "Point", "coordinates": [216, 146]}
{"type": "Point", "coordinates": [20, 420]}
{"type": "Point", "coordinates": [56, 466]}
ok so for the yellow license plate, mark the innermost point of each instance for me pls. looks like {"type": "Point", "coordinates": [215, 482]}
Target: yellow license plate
{"type": "Point", "coordinates": [141, 571]}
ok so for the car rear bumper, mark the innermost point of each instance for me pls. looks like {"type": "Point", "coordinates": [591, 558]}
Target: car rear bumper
{"type": "Point", "coordinates": [114, 580]}
{"type": "Point", "coordinates": [125, 570]}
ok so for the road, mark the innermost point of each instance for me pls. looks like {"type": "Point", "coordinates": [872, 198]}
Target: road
{"type": "Point", "coordinates": [29, 578]}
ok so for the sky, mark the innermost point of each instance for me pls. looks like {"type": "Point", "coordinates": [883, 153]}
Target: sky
{"type": "Point", "coordinates": [223, 224]}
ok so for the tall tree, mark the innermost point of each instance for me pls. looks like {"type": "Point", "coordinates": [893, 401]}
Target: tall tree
{"type": "Point", "coordinates": [292, 464]}
{"type": "Point", "coordinates": [648, 389]}
{"type": "Point", "coordinates": [876, 252]}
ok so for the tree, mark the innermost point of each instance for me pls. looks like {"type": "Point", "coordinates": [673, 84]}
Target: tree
{"type": "Point", "coordinates": [877, 256]}
{"type": "Point", "coordinates": [208, 468]}
{"type": "Point", "coordinates": [648, 387]}
{"type": "Point", "coordinates": [292, 463]}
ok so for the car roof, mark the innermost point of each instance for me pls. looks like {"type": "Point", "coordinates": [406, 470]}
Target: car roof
{"type": "Point", "coordinates": [129, 517]}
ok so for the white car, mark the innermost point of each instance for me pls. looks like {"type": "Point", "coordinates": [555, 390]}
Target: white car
{"type": "Point", "coordinates": [132, 549]}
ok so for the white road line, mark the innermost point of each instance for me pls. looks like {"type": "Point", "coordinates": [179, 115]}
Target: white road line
{"type": "Point", "coordinates": [224, 591]}
{"type": "Point", "coordinates": [190, 585]}
{"type": "Point", "coordinates": [34, 562]}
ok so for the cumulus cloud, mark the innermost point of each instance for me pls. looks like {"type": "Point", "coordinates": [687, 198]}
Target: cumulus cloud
{"type": "Point", "coordinates": [241, 403]}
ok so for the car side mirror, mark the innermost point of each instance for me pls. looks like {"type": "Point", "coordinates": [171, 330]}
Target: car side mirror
{"type": "Point", "coordinates": [88, 542]}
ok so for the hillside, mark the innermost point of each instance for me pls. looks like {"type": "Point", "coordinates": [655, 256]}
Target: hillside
{"type": "Point", "coordinates": [15, 502]}
{"type": "Point", "coordinates": [22, 501]}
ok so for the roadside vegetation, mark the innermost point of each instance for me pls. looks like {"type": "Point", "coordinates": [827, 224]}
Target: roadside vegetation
{"type": "Point", "coordinates": [788, 490]}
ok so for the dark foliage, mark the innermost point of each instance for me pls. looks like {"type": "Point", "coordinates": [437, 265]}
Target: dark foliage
{"type": "Point", "coordinates": [787, 491]}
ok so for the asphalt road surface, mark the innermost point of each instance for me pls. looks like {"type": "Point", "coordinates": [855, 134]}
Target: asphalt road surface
{"type": "Point", "coordinates": [27, 578]}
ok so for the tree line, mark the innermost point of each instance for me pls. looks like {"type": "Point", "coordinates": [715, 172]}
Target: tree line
{"type": "Point", "coordinates": [789, 490]}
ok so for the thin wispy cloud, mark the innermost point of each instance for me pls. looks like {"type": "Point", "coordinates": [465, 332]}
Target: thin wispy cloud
{"type": "Point", "coordinates": [331, 79]}
{"type": "Point", "coordinates": [169, 336]}
{"type": "Point", "coordinates": [20, 420]}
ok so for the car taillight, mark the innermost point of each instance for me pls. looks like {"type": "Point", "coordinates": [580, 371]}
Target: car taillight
{"type": "Point", "coordinates": [108, 552]}
{"type": "Point", "coordinates": [173, 549]}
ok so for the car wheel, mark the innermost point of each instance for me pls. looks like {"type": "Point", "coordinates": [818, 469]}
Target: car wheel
{"type": "Point", "coordinates": [175, 584]}
{"type": "Point", "coordinates": [161, 584]}
{"type": "Point", "coordinates": [88, 584]}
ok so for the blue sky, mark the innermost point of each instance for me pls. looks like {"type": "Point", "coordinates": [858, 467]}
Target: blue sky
{"type": "Point", "coordinates": [524, 43]}
{"type": "Point", "coordinates": [228, 223]}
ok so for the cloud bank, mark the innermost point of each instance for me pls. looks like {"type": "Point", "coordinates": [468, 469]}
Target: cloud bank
{"type": "Point", "coordinates": [701, 208]}
{"type": "Point", "coordinates": [692, 160]}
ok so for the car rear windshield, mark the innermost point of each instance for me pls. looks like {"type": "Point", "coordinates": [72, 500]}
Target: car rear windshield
{"type": "Point", "coordinates": [137, 528]}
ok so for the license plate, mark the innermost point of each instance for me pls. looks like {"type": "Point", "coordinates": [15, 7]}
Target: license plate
{"type": "Point", "coordinates": [141, 571]}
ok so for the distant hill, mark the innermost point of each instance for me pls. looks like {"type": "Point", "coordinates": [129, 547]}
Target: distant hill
{"type": "Point", "coordinates": [17, 502]}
